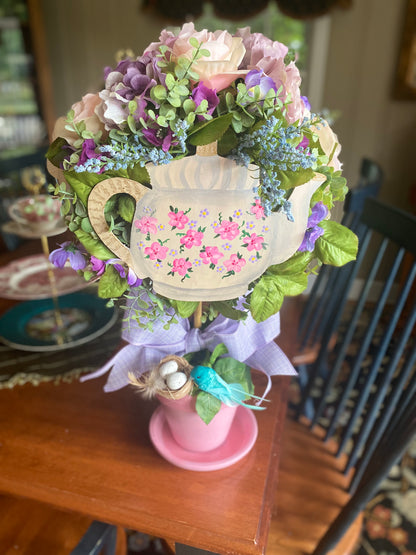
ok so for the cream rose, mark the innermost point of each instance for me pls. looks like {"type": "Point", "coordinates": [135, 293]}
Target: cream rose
{"type": "Point", "coordinates": [219, 69]}
{"type": "Point", "coordinates": [329, 143]}
{"type": "Point", "coordinates": [84, 110]}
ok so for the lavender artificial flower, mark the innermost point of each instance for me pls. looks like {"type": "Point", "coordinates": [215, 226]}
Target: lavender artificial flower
{"type": "Point", "coordinates": [98, 266]}
{"type": "Point", "coordinates": [68, 251]}
{"type": "Point", "coordinates": [313, 231]}
{"type": "Point", "coordinates": [257, 77]}
{"type": "Point", "coordinates": [161, 137]}
{"type": "Point", "coordinates": [200, 93]}
{"type": "Point", "coordinates": [306, 102]}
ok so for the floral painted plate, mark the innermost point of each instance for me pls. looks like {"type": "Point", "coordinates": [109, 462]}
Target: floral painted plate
{"type": "Point", "coordinates": [239, 443]}
{"type": "Point", "coordinates": [28, 278]}
{"type": "Point", "coordinates": [34, 325]}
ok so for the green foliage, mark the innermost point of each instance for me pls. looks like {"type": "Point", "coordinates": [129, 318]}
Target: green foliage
{"type": "Point", "coordinates": [111, 284]}
{"type": "Point", "coordinates": [338, 245]}
{"type": "Point", "coordinates": [207, 406]}
{"type": "Point", "coordinates": [210, 131]}
{"type": "Point", "coordinates": [185, 309]}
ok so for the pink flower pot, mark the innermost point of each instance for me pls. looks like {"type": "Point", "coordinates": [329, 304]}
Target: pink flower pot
{"type": "Point", "coordinates": [187, 428]}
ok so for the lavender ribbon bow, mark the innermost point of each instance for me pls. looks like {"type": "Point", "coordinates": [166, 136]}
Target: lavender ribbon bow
{"type": "Point", "coordinates": [247, 341]}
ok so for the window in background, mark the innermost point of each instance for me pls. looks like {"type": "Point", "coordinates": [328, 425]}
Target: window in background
{"type": "Point", "coordinates": [21, 125]}
{"type": "Point", "coordinates": [308, 38]}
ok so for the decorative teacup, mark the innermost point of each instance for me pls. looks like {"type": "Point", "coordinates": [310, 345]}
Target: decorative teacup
{"type": "Point", "coordinates": [200, 233]}
{"type": "Point", "coordinates": [40, 213]}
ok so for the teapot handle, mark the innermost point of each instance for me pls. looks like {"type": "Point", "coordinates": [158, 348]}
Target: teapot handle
{"type": "Point", "coordinates": [97, 199]}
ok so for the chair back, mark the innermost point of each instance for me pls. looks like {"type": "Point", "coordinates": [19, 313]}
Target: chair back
{"type": "Point", "coordinates": [327, 297]}
{"type": "Point", "coordinates": [363, 390]}
{"type": "Point", "coordinates": [369, 384]}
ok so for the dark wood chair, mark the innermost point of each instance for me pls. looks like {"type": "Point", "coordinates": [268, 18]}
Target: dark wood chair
{"type": "Point", "coordinates": [31, 528]}
{"type": "Point", "coordinates": [326, 301]}
{"type": "Point", "coordinates": [360, 397]}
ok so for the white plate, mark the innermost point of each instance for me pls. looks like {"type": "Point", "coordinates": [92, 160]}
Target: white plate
{"type": "Point", "coordinates": [28, 233]}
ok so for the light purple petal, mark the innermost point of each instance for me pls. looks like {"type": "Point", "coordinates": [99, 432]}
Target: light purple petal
{"type": "Point", "coordinates": [77, 260]}
{"type": "Point", "coordinates": [319, 212]}
{"type": "Point", "coordinates": [58, 257]}
{"type": "Point", "coordinates": [132, 279]}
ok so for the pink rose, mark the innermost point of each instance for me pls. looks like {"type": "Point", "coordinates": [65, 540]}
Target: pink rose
{"type": "Point", "coordinates": [178, 219]}
{"type": "Point", "coordinates": [234, 263]}
{"type": "Point", "coordinates": [192, 238]}
{"type": "Point", "coordinates": [84, 110]}
{"type": "Point", "coordinates": [329, 143]}
{"type": "Point", "coordinates": [263, 53]}
{"type": "Point", "coordinates": [146, 224]}
{"type": "Point", "coordinates": [166, 38]}
{"type": "Point", "coordinates": [219, 69]}
{"type": "Point", "coordinates": [211, 255]}
{"type": "Point", "coordinates": [228, 230]}
{"type": "Point", "coordinates": [156, 251]}
{"type": "Point", "coordinates": [181, 265]}
{"type": "Point", "coordinates": [254, 242]}
{"type": "Point", "coordinates": [256, 44]}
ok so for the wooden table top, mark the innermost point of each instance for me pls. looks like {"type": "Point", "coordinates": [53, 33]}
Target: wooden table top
{"type": "Point", "coordinates": [80, 449]}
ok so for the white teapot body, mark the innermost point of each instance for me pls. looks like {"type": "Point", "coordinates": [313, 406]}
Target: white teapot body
{"type": "Point", "coordinates": [201, 234]}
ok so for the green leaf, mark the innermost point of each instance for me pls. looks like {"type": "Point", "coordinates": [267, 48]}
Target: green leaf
{"type": "Point", "coordinates": [82, 183]}
{"type": "Point", "coordinates": [126, 207]}
{"type": "Point", "coordinates": [227, 142]}
{"type": "Point", "coordinates": [290, 179]}
{"type": "Point", "coordinates": [219, 350]}
{"type": "Point", "coordinates": [338, 245]}
{"type": "Point", "coordinates": [56, 152]}
{"type": "Point", "coordinates": [234, 371]}
{"type": "Point", "coordinates": [94, 246]}
{"type": "Point", "coordinates": [292, 284]}
{"type": "Point", "coordinates": [185, 308]}
{"type": "Point", "coordinates": [159, 92]}
{"type": "Point", "coordinates": [139, 173]}
{"type": "Point", "coordinates": [86, 225]}
{"type": "Point", "coordinates": [207, 406]}
{"type": "Point", "coordinates": [297, 263]}
{"type": "Point", "coordinates": [170, 81]}
{"type": "Point", "coordinates": [266, 298]}
{"type": "Point", "coordinates": [193, 41]}
{"type": "Point", "coordinates": [210, 131]}
{"type": "Point", "coordinates": [227, 310]}
{"type": "Point", "coordinates": [111, 284]}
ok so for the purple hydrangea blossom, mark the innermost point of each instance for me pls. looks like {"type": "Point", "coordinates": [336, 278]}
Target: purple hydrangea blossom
{"type": "Point", "coordinates": [88, 151]}
{"type": "Point", "coordinates": [200, 93]}
{"type": "Point", "coordinates": [130, 80]}
{"type": "Point", "coordinates": [313, 231]}
{"type": "Point", "coordinates": [68, 252]}
{"type": "Point", "coordinates": [257, 77]}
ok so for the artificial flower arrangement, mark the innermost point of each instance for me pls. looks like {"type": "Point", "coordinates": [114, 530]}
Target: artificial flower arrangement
{"type": "Point", "coordinates": [189, 121]}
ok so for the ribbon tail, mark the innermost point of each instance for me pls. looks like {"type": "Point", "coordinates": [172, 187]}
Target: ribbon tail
{"type": "Point", "coordinates": [272, 361]}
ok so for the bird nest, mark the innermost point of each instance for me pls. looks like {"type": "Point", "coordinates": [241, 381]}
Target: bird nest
{"type": "Point", "coordinates": [151, 383]}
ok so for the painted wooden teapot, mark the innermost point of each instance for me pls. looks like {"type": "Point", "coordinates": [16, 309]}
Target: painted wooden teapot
{"type": "Point", "coordinates": [200, 233]}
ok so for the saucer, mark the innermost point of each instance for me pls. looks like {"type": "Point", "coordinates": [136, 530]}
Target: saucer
{"type": "Point", "coordinates": [239, 442]}
{"type": "Point", "coordinates": [27, 232]}
{"type": "Point", "coordinates": [28, 278]}
{"type": "Point", "coordinates": [31, 325]}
